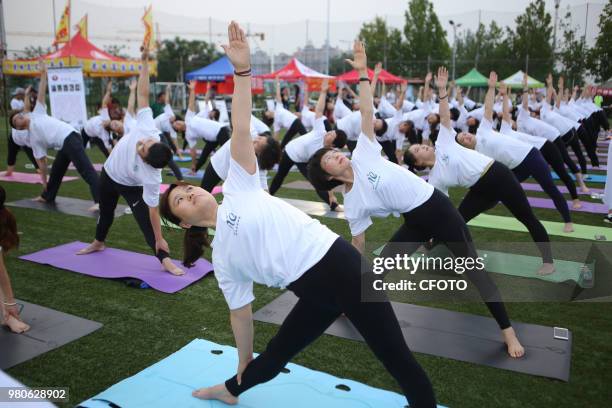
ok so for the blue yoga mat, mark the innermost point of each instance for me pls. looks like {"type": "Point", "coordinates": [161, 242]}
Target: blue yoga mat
{"type": "Point", "coordinates": [590, 178]}
{"type": "Point", "coordinates": [201, 363]}
{"type": "Point", "coordinates": [185, 159]}
{"type": "Point", "coordinates": [187, 173]}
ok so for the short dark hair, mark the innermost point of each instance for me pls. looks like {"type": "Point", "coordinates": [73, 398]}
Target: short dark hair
{"type": "Point", "coordinates": [433, 135]}
{"type": "Point", "coordinates": [340, 140]}
{"type": "Point", "coordinates": [474, 128]}
{"type": "Point", "coordinates": [270, 155]}
{"type": "Point", "coordinates": [159, 95]}
{"type": "Point", "coordinates": [267, 120]}
{"type": "Point", "coordinates": [159, 155]}
{"type": "Point", "coordinates": [317, 176]}
{"type": "Point", "coordinates": [12, 114]}
{"type": "Point", "coordinates": [410, 161]}
{"type": "Point", "coordinates": [383, 129]}
{"type": "Point", "coordinates": [194, 241]}
{"type": "Point", "coordinates": [216, 114]}
{"type": "Point", "coordinates": [454, 114]}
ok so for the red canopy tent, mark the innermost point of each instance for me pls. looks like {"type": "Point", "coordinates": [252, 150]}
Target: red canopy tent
{"type": "Point", "coordinates": [352, 77]}
{"type": "Point", "coordinates": [296, 71]}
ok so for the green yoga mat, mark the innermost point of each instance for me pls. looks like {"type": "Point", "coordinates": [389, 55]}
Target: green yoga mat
{"type": "Point", "coordinates": [590, 232]}
{"type": "Point", "coordinates": [525, 266]}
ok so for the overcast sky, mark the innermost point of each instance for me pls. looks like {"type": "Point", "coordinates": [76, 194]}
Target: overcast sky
{"type": "Point", "coordinates": [30, 22]}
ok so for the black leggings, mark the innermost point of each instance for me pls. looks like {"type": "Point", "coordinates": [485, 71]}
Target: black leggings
{"type": "Point", "coordinates": [500, 184]}
{"type": "Point", "coordinates": [570, 139]}
{"type": "Point", "coordinates": [534, 165]}
{"type": "Point", "coordinates": [589, 145]}
{"type": "Point", "coordinates": [565, 155]}
{"type": "Point", "coordinates": [388, 147]}
{"type": "Point", "coordinates": [297, 127]}
{"type": "Point", "coordinates": [283, 169]}
{"type": "Point", "coordinates": [13, 149]}
{"type": "Point", "coordinates": [109, 196]}
{"type": "Point", "coordinates": [165, 138]}
{"type": "Point", "coordinates": [210, 179]}
{"type": "Point", "coordinates": [72, 151]}
{"type": "Point", "coordinates": [325, 291]}
{"type": "Point", "coordinates": [551, 154]}
{"type": "Point", "coordinates": [423, 223]}
{"type": "Point", "coordinates": [222, 137]}
{"type": "Point", "coordinates": [96, 141]}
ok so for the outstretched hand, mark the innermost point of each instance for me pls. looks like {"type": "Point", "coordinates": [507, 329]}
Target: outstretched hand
{"type": "Point", "coordinates": [42, 65]}
{"type": "Point", "coordinates": [145, 54]}
{"type": "Point", "coordinates": [360, 60]}
{"type": "Point", "coordinates": [502, 88]}
{"type": "Point", "coordinates": [441, 78]}
{"type": "Point", "coordinates": [192, 85]}
{"type": "Point", "coordinates": [549, 80]}
{"type": "Point", "coordinates": [238, 48]}
{"type": "Point", "coordinates": [133, 85]}
{"type": "Point", "coordinates": [378, 68]}
{"type": "Point", "coordinates": [325, 85]}
{"type": "Point", "coordinates": [492, 79]}
{"type": "Point", "coordinates": [525, 80]}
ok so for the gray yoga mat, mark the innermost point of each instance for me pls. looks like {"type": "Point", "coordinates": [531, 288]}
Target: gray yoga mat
{"type": "Point", "coordinates": [305, 185]}
{"type": "Point", "coordinates": [49, 330]}
{"type": "Point", "coordinates": [66, 205]}
{"type": "Point", "coordinates": [459, 336]}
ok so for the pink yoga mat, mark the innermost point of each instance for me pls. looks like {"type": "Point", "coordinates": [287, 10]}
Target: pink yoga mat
{"type": "Point", "coordinates": [28, 178]}
{"type": "Point", "coordinates": [164, 187]}
{"type": "Point", "coordinates": [117, 263]}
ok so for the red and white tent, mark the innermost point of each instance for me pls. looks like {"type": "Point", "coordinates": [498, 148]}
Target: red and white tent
{"type": "Point", "coordinates": [296, 71]}
{"type": "Point", "coordinates": [385, 77]}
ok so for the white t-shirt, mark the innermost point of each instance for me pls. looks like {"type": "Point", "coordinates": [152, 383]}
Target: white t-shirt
{"type": "Point", "coordinates": [125, 166]}
{"type": "Point", "coordinates": [94, 127]}
{"type": "Point", "coordinates": [505, 149]}
{"type": "Point", "coordinates": [129, 122]}
{"type": "Point", "coordinates": [200, 128]}
{"type": "Point", "coordinates": [221, 162]}
{"type": "Point", "coordinates": [308, 118]}
{"type": "Point", "coordinates": [17, 104]}
{"type": "Point", "coordinates": [380, 187]}
{"type": "Point", "coordinates": [535, 141]}
{"type": "Point", "coordinates": [527, 124]}
{"type": "Point", "coordinates": [385, 108]}
{"type": "Point", "coordinates": [477, 114]}
{"type": "Point", "coordinates": [470, 104]}
{"type": "Point", "coordinates": [582, 110]}
{"type": "Point", "coordinates": [258, 127]}
{"type": "Point", "coordinates": [163, 124]}
{"type": "Point", "coordinates": [455, 165]}
{"type": "Point", "coordinates": [301, 149]}
{"type": "Point", "coordinates": [248, 220]}
{"type": "Point", "coordinates": [407, 106]}
{"type": "Point", "coordinates": [393, 132]}
{"type": "Point", "coordinates": [340, 109]}
{"type": "Point", "coordinates": [351, 125]}
{"type": "Point", "coordinates": [562, 124]}
{"type": "Point", "coordinates": [568, 112]}
{"type": "Point", "coordinates": [283, 119]}
{"type": "Point", "coordinates": [46, 132]}
{"type": "Point", "coordinates": [418, 117]}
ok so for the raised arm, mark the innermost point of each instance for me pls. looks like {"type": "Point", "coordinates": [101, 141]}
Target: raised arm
{"type": "Point", "coordinates": [42, 86]}
{"type": "Point", "coordinates": [459, 92]}
{"type": "Point", "coordinates": [559, 92]}
{"type": "Point", "coordinates": [360, 63]}
{"type": "Point", "coordinates": [27, 107]}
{"type": "Point", "coordinates": [191, 105]}
{"type": "Point", "coordinates": [241, 146]}
{"type": "Point", "coordinates": [279, 98]}
{"type": "Point", "coordinates": [377, 70]}
{"type": "Point", "coordinates": [525, 96]}
{"type": "Point", "coordinates": [132, 98]}
{"type": "Point", "coordinates": [142, 88]}
{"type": "Point", "coordinates": [107, 95]}
{"type": "Point", "coordinates": [400, 98]}
{"type": "Point", "coordinates": [322, 98]}
{"type": "Point", "coordinates": [549, 88]}
{"type": "Point", "coordinates": [350, 90]}
{"type": "Point", "coordinates": [574, 92]}
{"type": "Point", "coordinates": [490, 96]}
{"type": "Point", "coordinates": [505, 105]}
{"type": "Point", "coordinates": [426, 88]}
{"type": "Point", "coordinates": [441, 81]}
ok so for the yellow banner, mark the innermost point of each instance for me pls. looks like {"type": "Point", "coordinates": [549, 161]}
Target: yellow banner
{"type": "Point", "coordinates": [147, 20]}
{"type": "Point", "coordinates": [62, 35]}
{"type": "Point", "coordinates": [82, 26]}
{"type": "Point", "coordinates": [91, 68]}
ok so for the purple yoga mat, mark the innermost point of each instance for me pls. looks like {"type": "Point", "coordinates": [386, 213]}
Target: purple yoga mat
{"type": "Point", "coordinates": [117, 263]}
{"type": "Point", "coordinates": [539, 202]}
{"type": "Point", "coordinates": [562, 189]}
{"type": "Point", "coordinates": [28, 178]}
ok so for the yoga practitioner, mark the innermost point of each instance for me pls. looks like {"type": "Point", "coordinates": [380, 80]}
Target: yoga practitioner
{"type": "Point", "coordinates": [213, 133]}
{"type": "Point", "coordinates": [522, 158]}
{"type": "Point", "coordinates": [488, 181]}
{"type": "Point", "coordinates": [375, 187]}
{"type": "Point", "coordinates": [48, 132]}
{"type": "Point", "coordinates": [168, 126]}
{"type": "Point", "coordinates": [17, 138]}
{"type": "Point", "coordinates": [260, 238]}
{"type": "Point", "coordinates": [281, 118]}
{"type": "Point", "coordinates": [607, 198]}
{"type": "Point", "coordinates": [392, 133]}
{"type": "Point", "coordinates": [9, 239]}
{"type": "Point", "coordinates": [97, 128]}
{"type": "Point", "coordinates": [300, 150]}
{"type": "Point", "coordinates": [133, 171]}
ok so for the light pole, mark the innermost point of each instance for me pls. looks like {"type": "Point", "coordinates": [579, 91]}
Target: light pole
{"type": "Point", "coordinates": [455, 27]}
{"type": "Point", "coordinates": [557, 3]}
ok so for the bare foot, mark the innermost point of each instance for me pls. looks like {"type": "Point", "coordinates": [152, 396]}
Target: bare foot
{"type": "Point", "coordinates": [16, 326]}
{"type": "Point", "coordinates": [576, 204]}
{"type": "Point", "coordinates": [546, 269]}
{"type": "Point", "coordinates": [218, 392]}
{"type": "Point", "coordinates": [568, 227]}
{"type": "Point", "coordinates": [94, 208]}
{"type": "Point", "coordinates": [584, 189]}
{"type": "Point", "coordinates": [515, 349]}
{"type": "Point", "coordinates": [172, 268]}
{"type": "Point", "coordinates": [93, 247]}
{"type": "Point", "coordinates": [39, 199]}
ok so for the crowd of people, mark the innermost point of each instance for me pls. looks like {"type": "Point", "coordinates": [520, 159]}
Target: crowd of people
{"type": "Point", "coordinates": [376, 146]}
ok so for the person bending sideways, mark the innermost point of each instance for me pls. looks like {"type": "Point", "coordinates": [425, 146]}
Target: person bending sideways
{"type": "Point", "coordinates": [48, 132]}
{"type": "Point", "coordinates": [281, 118]}
{"type": "Point", "coordinates": [260, 238]}
{"type": "Point", "coordinates": [133, 171]}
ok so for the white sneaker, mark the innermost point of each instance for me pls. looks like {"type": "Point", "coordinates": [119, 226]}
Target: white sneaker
{"type": "Point", "coordinates": [127, 210]}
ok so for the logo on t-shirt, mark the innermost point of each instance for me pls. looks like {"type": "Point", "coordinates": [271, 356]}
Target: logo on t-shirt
{"type": "Point", "coordinates": [445, 158]}
{"type": "Point", "coordinates": [374, 179]}
{"type": "Point", "coordinates": [232, 220]}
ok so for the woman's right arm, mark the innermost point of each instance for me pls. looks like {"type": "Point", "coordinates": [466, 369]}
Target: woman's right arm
{"type": "Point", "coordinates": [360, 63]}
{"type": "Point", "coordinates": [441, 81]}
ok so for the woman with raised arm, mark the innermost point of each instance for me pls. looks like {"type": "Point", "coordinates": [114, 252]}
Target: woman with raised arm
{"type": "Point", "coordinates": [97, 128]}
{"type": "Point", "coordinates": [321, 268]}
{"type": "Point", "coordinates": [522, 158]}
{"type": "Point", "coordinates": [17, 138]}
{"type": "Point", "coordinates": [375, 187]}
{"type": "Point", "coordinates": [281, 118]}
{"type": "Point", "coordinates": [488, 181]}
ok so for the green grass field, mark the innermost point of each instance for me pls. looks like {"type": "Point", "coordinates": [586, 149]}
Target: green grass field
{"type": "Point", "coordinates": [143, 326]}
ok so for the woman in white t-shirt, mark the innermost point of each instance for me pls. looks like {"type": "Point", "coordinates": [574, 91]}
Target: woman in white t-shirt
{"type": "Point", "coordinates": [97, 128]}
{"type": "Point", "coordinates": [262, 239]}
{"type": "Point", "coordinates": [300, 150]}
{"type": "Point", "coordinates": [489, 182]}
{"type": "Point", "coordinates": [14, 138]}
{"type": "Point", "coordinates": [522, 158]}
{"type": "Point", "coordinates": [375, 187]}
{"type": "Point", "coordinates": [281, 118]}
